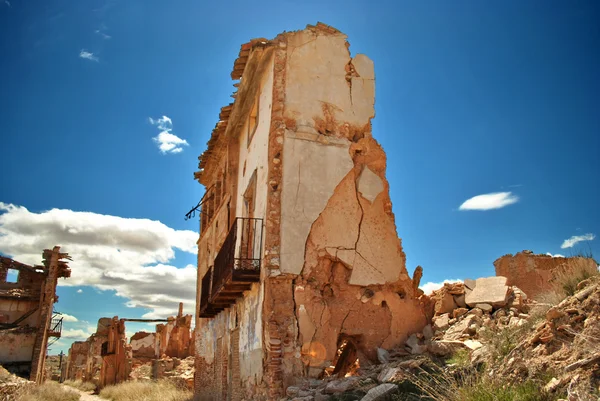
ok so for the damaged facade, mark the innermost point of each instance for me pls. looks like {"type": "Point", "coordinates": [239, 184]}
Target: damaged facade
{"type": "Point", "coordinates": [27, 321]}
{"type": "Point", "coordinates": [300, 270]}
{"type": "Point", "coordinates": [535, 274]}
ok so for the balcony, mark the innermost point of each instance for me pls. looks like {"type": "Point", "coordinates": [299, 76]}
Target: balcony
{"type": "Point", "coordinates": [236, 267]}
{"type": "Point", "coordinates": [55, 329]}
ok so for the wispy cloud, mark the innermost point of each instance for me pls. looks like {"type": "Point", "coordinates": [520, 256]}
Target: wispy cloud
{"type": "Point", "coordinates": [79, 291]}
{"type": "Point", "coordinates": [167, 142]}
{"type": "Point", "coordinates": [104, 35]}
{"type": "Point", "coordinates": [7, 3]}
{"type": "Point", "coordinates": [557, 255]}
{"type": "Point", "coordinates": [429, 287]}
{"type": "Point", "coordinates": [495, 200]}
{"type": "Point", "coordinates": [569, 243]}
{"type": "Point", "coordinates": [88, 55]}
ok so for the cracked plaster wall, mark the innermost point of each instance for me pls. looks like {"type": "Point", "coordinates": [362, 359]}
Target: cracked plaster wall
{"type": "Point", "coordinates": [338, 233]}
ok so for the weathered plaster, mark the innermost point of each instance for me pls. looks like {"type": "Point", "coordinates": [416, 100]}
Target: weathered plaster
{"type": "Point", "coordinates": [311, 172]}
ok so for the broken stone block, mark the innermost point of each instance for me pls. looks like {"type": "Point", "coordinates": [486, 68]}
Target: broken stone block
{"type": "Point", "coordinates": [414, 346]}
{"type": "Point", "coordinates": [441, 322]}
{"type": "Point", "coordinates": [383, 356]}
{"type": "Point", "coordinates": [487, 308]}
{"type": "Point", "coordinates": [380, 392]}
{"type": "Point", "coordinates": [469, 284]}
{"type": "Point", "coordinates": [489, 290]}
{"type": "Point", "coordinates": [459, 312]}
{"type": "Point", "coordinates": [340, 386]}
{"type": "Point", "coordinates": [460, 300]}
{"type": "Point", "coordinates": [444, 304]}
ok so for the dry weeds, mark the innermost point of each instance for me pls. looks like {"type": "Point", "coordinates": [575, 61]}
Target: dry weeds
{"type": "Point", "coordinates": [49, 391]}
{"type": "Point", "coordinates": [162, 390]}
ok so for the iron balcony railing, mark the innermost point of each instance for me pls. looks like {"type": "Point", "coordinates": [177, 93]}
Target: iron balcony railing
{"type": "Point", "coordinates": [239, 255]}
{"type": "Point", "coordinates": [55, 329]}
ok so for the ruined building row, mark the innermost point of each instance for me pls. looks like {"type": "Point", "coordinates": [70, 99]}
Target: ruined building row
{"type": "Point", "coordinates": [107, 357]}
{"type": "Point", "coordinates": [27, 321]}
{"type": "Point", "coordinates": [298, 255]}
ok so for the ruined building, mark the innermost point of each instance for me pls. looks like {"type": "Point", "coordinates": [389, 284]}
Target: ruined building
{"type": "Point", "coordinates": [107, 357]}
{"type": "Point", "coordinates": [536, 274]}
{"type": "Point", "coordinates": [300, 270]}
{"type": "Point", "coordinates": [27, 321]}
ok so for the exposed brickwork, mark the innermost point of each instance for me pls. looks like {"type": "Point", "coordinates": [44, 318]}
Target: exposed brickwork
{"type": "Point", "coordinates": [236, 389]}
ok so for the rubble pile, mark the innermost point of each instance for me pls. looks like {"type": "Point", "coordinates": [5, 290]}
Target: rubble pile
{"type": "Point", "coordinates": [180, 371]}
{"type": "Point", "coordinates": [11, 385]}
{"type": "Point", "coordinates": [565, 343]}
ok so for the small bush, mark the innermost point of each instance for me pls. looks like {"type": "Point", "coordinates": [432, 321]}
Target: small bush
{"type": "Point", "coordinates": [49, 391]}
{"type": "Point", "coordinates": [81, 385]}
{"type": "Point", "coordinates": [162, 390]}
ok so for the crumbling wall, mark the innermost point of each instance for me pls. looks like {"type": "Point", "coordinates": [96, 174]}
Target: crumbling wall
{"type": "Point", "coordinates": [116, 355]}
{"type": "Point", "coordinates": [77, 360]}
{"type": "Point", "coordinates": [339, 246]}
{"type": "Point", "coordinates": [534, 274]}
{"type": "Point", "coordinates": [143, 345]}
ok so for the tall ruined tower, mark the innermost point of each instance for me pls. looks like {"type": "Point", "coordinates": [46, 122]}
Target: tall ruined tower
{"type": "Point", "coordinates": [298, 254]}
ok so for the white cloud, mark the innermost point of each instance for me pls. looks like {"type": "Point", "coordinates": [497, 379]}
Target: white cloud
{"type": "Point", "coordinates": [88, 55]}
{"type": "Point", "coordinates": [569, 243]}
{"type": "Point", "coordinates": [105, 36]}
{"type": "Point", "coordinates": [167, 142]}
{"type": "Point", "coordinates": [68, 318]}
{"type": "Point", "coordinates": [557, 255]}
{"type": "Point", "coordinates": [429, 287]}
{"type": "Point", "coordinates": [495, 200]}
{"type": "Point", "coordinates": [76, 334]}
{"type": "Point", "coordinates": [79, 291]}
{"type": "Point", "coordinates": [129, 256]}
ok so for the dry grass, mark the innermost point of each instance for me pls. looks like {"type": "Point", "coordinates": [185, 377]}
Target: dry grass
{"type": "Point", "coordinates": [81, 385]}
{"type": "Point", "coordinates": [443, 386]}
{"type": "Point", "coordinates": [49, 391]}
{"type": "Point", "coordinates": [162, 390]}
{"type": "Point", "coordinates": [564, 282]}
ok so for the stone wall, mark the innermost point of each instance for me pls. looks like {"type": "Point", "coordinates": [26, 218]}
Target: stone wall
{"type": "Point", "coordinates": [536, 274]}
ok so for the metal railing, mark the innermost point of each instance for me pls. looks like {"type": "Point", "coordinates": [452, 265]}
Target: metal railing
{"type": "Point", "coordinates": [241, 250]}
{"type": "Point", "coordinates": [55, 329]}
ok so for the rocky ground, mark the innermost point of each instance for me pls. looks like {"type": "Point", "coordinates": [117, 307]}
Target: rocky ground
{"type": "Point", "coordinates": [11, 385]}
{"type": "Point", "coordinates": [487, 341]}
{"type": "Point", "coordinates": [180, 371]}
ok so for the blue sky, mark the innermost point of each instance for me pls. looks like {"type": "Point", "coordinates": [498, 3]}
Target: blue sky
{"type": "Point", "coordinates": [472, 98]}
